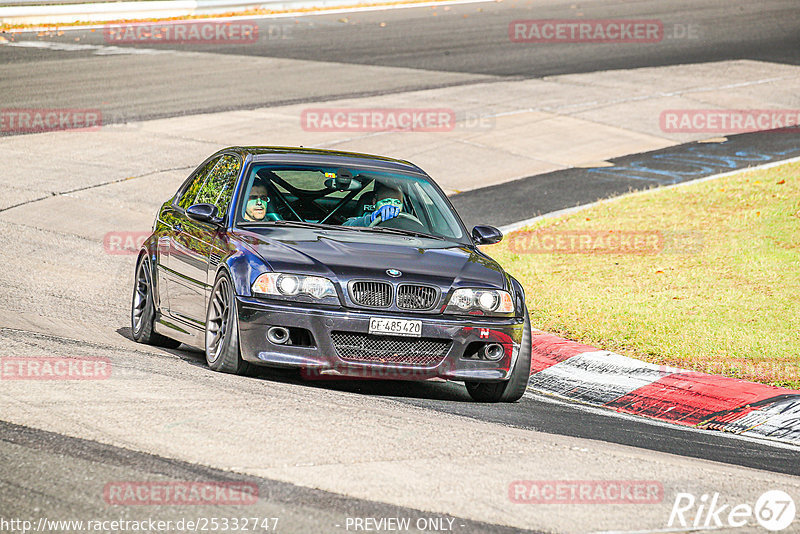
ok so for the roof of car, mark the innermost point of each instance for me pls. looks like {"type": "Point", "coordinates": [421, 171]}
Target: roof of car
{"type": "Point", "coordinates": [269, 153]}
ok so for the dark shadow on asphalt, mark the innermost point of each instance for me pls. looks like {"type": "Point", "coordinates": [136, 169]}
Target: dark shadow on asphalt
{"type": "Point", "coordinates": [188, 354]}
{"type": "Point", "coordinates": [439, 391]}
{"type": "Point", "coordinates": [430, 390]}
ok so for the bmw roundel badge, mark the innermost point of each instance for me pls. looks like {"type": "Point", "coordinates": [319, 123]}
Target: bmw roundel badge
{"type": "Point", "coordinates": [394, 273]}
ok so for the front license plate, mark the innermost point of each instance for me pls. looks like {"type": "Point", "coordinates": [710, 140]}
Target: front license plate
{"type": "Point", "coordinates": [395, 327]}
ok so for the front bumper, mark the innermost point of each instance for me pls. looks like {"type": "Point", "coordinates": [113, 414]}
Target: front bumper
{"type": "Point", "coordinates": [323, 359]}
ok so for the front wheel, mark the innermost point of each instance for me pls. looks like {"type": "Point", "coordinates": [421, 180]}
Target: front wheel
{"type": "Point", "coordinates": [512, 389]}
{"type": "Point", "coordinates": [222, 330]}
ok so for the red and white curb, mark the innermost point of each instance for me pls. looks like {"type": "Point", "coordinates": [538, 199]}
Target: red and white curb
{"type": "Point", "coordinates": [602, 378]}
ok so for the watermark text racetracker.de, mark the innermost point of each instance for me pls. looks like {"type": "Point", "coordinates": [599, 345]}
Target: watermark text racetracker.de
{"type": "Point", "coordinates": [394, 120]}
{"type": "Point", "coordinates": [171, 493]}
{"type": "Point", "coordinates": [378, 119]}
{"type": "Point", "coordinates": [545, 241]}
{"type": "Point", "coordinates": [54, 368]}
{"type": "Point", "coordinates": [124, 242]}
{"type": "Point", "coordinates": [37, 120]}
{"type": "Point", "coordinates": [235, 32]}
{"type": "Point", "coordinates": [729, 121]}
{"type": "Point", "coordinates": [586, 492]}
{"type": "Point", "coordinates": [759, 368]}
{"type": "Point", "coordinates": [598, 31]}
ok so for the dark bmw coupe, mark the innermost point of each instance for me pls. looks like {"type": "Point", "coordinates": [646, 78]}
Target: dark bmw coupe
{"type": "Point", "coordinates": [336, 263]}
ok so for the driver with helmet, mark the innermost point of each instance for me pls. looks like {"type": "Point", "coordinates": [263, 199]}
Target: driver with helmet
{"type": "Point", "coordinates": [388, 205]}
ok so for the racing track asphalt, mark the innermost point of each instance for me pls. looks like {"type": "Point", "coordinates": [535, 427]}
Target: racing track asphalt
{"type": "Point", "coordinates": [299, 509]}
{"type": "Point", "coordinates": [543, 414]}
{"type": "Point", "coordinates": [446, 46]}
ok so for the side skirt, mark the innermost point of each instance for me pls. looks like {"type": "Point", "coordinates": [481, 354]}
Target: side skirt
{"type": "Point", "coordinates": [181, 331]}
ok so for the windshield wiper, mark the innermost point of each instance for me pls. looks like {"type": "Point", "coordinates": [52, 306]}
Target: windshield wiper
{"type": "Point", "coordinates": [399, 231]}
{"type": "Point", "coordinates": [306, 224]}
{"type": "Point", "coordinates": [302, 224]}
{"type": "Point", "coordinates": [298, 224]}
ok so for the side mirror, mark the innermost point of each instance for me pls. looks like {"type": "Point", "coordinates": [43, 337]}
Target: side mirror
{"type": "Point", "coordinates": [206, 213]}
{"type": "Point", "coordinates": [486, 235]}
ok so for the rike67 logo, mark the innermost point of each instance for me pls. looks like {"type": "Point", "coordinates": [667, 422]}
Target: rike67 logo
{"type": "Point", "coordinates": [774, 510]}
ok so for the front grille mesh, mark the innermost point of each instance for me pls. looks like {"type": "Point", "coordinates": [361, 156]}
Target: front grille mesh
{"type": "Point", "coordinates": [372, 294]}
{"type": "Point", "coordinates": [383, 349]}
{"type": "Point", "coordinates": [411, 297]}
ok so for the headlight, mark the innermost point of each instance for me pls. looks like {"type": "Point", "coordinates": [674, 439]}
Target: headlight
{"type": "Point", "coordinates": [291, 285]}
{"type": "Point", "coordinates": [480, 302]}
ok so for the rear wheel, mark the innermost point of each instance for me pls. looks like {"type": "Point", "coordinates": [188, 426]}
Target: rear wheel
{"type": "Point", "coordinates": [143, 310]}
{"type": "Point", "coordinates": [512, 389]}
{"type": "Point", "coordinates": [222, 330]}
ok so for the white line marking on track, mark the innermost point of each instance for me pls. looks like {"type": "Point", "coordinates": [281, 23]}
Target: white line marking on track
{"type": "Point", "coordinates": [99, 50]}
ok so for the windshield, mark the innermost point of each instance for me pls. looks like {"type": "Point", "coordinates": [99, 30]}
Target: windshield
{"type": "Point", "coordinates": [346, 198]}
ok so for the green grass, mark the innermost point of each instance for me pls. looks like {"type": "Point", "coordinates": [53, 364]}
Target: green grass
{"type": "Point", "coordinates": [719, 292]}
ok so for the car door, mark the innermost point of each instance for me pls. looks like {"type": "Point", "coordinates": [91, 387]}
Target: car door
{"type": "Point", "coordinates": [172, 217]}
{"type": "Point", "coordinates": [195, 244]}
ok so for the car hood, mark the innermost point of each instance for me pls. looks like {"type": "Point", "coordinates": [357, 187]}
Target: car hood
{"type": "Point", "coordinates": [345, 255]}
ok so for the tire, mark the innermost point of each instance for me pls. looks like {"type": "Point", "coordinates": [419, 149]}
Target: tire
{"type": "Point", "coordinates": [222, 330]}
{"type": "Point", "coordinates": [143, 309]}
{"type": "Point", "coordinates": [512, 389]}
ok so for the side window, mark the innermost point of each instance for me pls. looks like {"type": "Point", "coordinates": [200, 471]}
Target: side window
{"type": "Point", "coordinates": [219, 184]}
{"type": "Point", "coordinates": [188, 196]}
